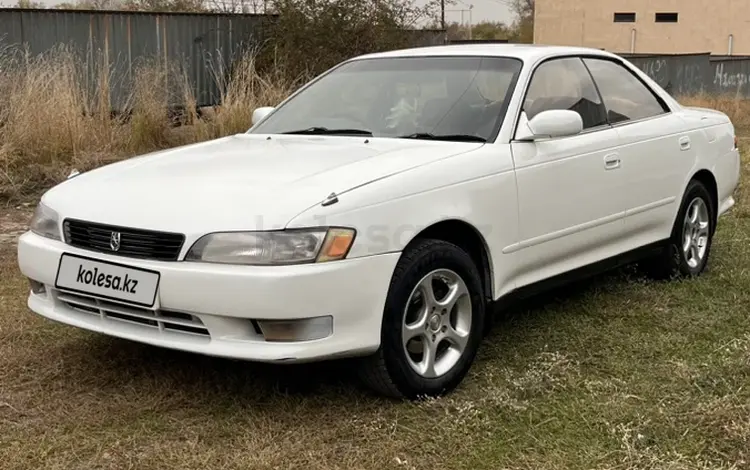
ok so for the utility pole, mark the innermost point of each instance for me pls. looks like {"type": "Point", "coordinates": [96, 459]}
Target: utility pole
{"type": "Point", "coordinates": [471, 23]}
{"type": "Point", "coordinates": [442, 14]}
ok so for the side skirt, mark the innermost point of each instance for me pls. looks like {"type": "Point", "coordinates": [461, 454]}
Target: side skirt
{"type": "Point", "coordinates": [579, 274]}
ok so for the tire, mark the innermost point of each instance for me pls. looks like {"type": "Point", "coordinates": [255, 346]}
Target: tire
{"type": "Point", "coordinates": [675, 261]}
{"type": "Point", "coordinates": [454, 336]}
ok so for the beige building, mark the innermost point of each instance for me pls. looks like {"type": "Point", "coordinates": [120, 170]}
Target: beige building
{"type": "Point", "coordinates": [646, 26]}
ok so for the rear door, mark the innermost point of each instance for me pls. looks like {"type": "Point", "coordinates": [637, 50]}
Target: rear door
{"type": "Point", "coordinates": [570, 189]}
{"type": "Point", "coordinates": [655, 151]}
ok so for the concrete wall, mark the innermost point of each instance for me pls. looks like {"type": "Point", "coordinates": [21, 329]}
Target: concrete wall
{"type": "Point", "coordinates": [703, 25]}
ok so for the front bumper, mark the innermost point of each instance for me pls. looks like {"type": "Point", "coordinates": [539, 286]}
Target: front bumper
{"type": "Point", "coordinates": [211, 309]}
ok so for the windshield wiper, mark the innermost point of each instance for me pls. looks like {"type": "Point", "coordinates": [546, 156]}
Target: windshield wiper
{"type": "Point", "coordinates": [455, 137]}
{"type": "Point", "coordinates": [327, 131]}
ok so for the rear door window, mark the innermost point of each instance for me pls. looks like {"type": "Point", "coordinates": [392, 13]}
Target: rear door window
{"type": "Point", "coordinates": [625, 96]}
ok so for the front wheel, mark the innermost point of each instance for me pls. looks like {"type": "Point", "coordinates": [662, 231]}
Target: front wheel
{"type": "Point", "coordinates": [432, 323]}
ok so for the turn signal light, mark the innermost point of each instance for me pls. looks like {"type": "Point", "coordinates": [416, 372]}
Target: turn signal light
{"type": "Point", "coordinates": [337, 244]}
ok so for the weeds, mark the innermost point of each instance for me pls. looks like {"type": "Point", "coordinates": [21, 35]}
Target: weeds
{"type": "Point", "coordinates": [52, 118]}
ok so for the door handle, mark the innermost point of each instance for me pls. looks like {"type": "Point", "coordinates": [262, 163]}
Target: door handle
{"type": "Point", "coordinates": [611, 161]}
{"type": "Point", "coordinates": [684, 143]}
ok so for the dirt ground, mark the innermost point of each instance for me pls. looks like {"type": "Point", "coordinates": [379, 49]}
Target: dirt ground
{"type": "Point", "coordinates": [14, 220]}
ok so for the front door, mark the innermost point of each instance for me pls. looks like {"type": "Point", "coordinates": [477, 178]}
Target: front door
{"type": "Point", "coordinates": [571, 190]}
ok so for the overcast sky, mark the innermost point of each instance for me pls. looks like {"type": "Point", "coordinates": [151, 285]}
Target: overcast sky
{"type": "Point", "coordinates": [490, 10]}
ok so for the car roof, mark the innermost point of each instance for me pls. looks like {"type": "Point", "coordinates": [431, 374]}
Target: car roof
{"type": "Point", "coordinates": [525, 52]}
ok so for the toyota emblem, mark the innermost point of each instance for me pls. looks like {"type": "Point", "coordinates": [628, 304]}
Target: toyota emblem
{"type": "Point", "coordinates": [114, 241]}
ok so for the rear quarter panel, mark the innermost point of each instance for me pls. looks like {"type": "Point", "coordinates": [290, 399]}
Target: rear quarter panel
{"type": "Point", "coordinates": [713, 134]}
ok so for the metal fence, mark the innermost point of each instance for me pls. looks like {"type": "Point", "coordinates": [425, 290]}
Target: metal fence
{"type": "Point", "coordinates": [206, 44]}
{"type": "Point", "coordinates": [201, 43]}
{"type": "Point", "coordinates": [688, 74]}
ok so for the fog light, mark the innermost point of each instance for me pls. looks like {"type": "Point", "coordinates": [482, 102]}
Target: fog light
{"type": "Point", "coordinates": [37, 287]}
{"type": "Point", "coordinates": [307, 329]}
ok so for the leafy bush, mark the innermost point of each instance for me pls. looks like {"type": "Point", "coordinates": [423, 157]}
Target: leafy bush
{"type": "Point", "coordinates": [314, 35]}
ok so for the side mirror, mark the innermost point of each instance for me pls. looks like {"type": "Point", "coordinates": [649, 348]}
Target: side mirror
{"type": "Point", "coordinates": [550, 123]}
{"type": "Point", "coordinates": [260, 113]}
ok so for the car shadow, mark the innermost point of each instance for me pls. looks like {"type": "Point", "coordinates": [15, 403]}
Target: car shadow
{"type": "Point", "coordinates": [527, 309]}
{"type": "Point", "coordinates": [122, 364]}
{"type": "Point", "coordinates": [142, 365]}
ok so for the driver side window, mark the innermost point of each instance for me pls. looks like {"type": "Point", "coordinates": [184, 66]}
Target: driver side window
{"type": "Point", "coordinates": [565, 84]}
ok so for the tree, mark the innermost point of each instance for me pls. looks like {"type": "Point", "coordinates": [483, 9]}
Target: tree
{"type": "Point", "coordinates": [484, 30]}
{"type": "Point", "coordinates": [164, 5]}
{"type": "Point", "coordinates": [238, 6]}
{"type": "Point", "coordinates": [491, 30]}
{"type": "Point", "coordinates": [29, 4]}
{"type": "Point", "coordinates": [312, 35]}
{"type": "Point", "coordinates": [456, 31]}
{"type": "Point", "coordinates": [524, 24]}
{"type": "Point", "coordinates": [134, 5]}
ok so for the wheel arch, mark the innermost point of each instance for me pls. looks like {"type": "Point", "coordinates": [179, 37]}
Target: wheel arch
{"type": "Point", "coordinates": [707, 179]}
{"type": "Point", "coordinates": [470, 239]}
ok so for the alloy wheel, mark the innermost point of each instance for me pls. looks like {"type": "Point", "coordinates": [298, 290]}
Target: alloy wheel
{"type": "Point", "coordinates": [695, 232]}
{"type": "Point", "coordinates": [437, 323]}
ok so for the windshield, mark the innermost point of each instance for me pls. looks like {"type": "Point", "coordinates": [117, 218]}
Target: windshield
{"type": "Point", "coordinates": [456, 98]}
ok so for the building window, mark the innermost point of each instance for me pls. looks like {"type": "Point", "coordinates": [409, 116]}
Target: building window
{"type": "Point", "coordinates": [624, 17]}
{"type": "Point", "coordinates": [666, 17]}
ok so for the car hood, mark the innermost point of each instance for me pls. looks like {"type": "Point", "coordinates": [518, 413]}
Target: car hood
{"type": "Point", "coordinates": [241, 182]}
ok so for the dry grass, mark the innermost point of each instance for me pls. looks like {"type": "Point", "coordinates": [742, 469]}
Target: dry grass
{"type": "Point", "coordinates": [47, 120]}
{"type": "Point", "coordinates": [614, 373]}
{"type": "Point", "coordinates": [52, 119]}
{"type": "Point", "coordinates": [242, 87]}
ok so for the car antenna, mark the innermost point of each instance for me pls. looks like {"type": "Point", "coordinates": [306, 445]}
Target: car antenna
{"type": "Point", "coordinates": [331, 199]}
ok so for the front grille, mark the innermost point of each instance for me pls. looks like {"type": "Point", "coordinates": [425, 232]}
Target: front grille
{"type": "Point", "coordinates": [163, 320]}
{"type": "Point", "coordinates": [134, 243]}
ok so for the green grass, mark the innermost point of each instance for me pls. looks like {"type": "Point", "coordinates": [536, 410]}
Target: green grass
{"type": "Point", "coordinates": [616, 372]}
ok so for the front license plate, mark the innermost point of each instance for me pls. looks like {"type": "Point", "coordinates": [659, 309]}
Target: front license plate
{"type": "Point", "coordinates": [107, 280]}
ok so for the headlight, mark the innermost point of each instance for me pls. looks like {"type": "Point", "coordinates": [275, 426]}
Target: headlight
{"type": "Point", "coordinates": [273, 248]}
{"type": "Point", "coordinates": [45, 222]}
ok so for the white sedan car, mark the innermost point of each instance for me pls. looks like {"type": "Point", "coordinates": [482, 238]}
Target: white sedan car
{"type": "Point", "coordinates": [381, 210]}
